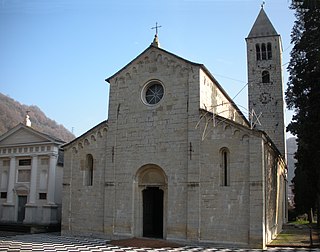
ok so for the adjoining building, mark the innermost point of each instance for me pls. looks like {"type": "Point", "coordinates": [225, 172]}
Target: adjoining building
{"type": "Point", "coordinates": [177, 159]}
{"type": "Point", "coordinates": [31, 171]}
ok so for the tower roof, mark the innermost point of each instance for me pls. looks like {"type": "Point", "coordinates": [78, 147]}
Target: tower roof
{"type": "Point", "coordinates": [262, 27]}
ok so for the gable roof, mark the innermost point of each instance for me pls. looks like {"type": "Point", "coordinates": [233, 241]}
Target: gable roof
{"type": "Point", "coordinates": [93, 129]}
{"type": "Point", "coordinates": [189, 62]}
{"type": "Point", "coordinates": [32, 136]}
{"type": "Point", "coordinates": [262, 27]}
{"type": "Point", "coordinates": [147, 49]}
{"type": "Point", "coordinates": [253, 131]}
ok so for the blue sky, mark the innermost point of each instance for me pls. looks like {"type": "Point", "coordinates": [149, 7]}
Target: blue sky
{"type": "Point", "coordinates": [56, 54]}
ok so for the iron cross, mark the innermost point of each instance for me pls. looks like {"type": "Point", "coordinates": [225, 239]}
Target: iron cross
{"type": "Point", "coordinates": [156, 27]}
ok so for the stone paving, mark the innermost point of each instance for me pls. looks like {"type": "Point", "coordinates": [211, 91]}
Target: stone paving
{"type": "Point", "coordinates": [53, 242]}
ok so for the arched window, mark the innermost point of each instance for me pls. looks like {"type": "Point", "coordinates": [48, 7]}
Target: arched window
{"type": "Point", "coordinates": [264, 51]}
{"type": "Point", "coordinates": [225, 167]}
{"type": "Point", "coordinates": [89, 170]}
{"type": "Point", "coordinates": [269, 51]}
{"type": "Point", "coordinates": [258, 53]}
{"type": "Point", "coordinates": [265, 77]}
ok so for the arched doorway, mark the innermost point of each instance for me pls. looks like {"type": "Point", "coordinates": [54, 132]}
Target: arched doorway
{"type": "Point", "coordinates": [150, 202]}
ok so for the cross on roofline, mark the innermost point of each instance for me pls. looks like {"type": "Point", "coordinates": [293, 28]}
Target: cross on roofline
{"type": "Point", "coordinates": [156, 27]}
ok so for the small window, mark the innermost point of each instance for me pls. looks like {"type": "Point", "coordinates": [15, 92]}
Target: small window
{"type": "Point", "coordinates": [3, 195]}
{"type": "Point", "coordinates": [258, 53]}
{"type": "Point", "coordinates": [89, 170]}
{"type": "Point", "coordinates": [265, 77]}
{"type": "Point", "coordinates": [269, 51]}
{"type": "Point", "coordinates": [225, 176]}
{"type": "Point", "coordinates": [24, 162]}
{"type": "Point", "coordinates": [152, 93]}
{"type": "Point", "coordinates": [42, 196]}
{"type": "Point", "coordinates": [264, 52]}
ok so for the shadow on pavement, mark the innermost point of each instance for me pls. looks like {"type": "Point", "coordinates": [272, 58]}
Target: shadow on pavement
{"type": "Point", "coordinates": [297, 235]}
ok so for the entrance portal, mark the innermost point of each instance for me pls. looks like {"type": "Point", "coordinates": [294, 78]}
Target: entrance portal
{"type": "Point", "coordinates": [152, 212]}
{"type": "Point", "coordinates": [22, 201]}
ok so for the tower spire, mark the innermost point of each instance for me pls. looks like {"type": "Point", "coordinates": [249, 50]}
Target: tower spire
{"type": "Point", "coordinates": [265, 89]}
{"type": "Point", "coordinates": [262, 27]}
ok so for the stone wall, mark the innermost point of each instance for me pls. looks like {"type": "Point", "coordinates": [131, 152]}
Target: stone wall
{"type": "Point", "coordinates": [174, 146]}
{"type": "Point", "coordinates": [83, 204]}
{"type": "Point", "coordinates": [214, 100]}
{"type": "Point", "coordinates": [141, 135]}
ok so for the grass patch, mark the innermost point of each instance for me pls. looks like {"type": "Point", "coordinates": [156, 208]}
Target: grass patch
{"type": "Point", "coordinates": [299, 222]}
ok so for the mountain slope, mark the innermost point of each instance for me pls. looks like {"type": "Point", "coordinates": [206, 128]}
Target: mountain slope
{"type": "Point", "coordinates": [12, 113]}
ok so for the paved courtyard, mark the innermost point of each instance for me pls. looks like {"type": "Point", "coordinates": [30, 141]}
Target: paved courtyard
{"type": "Point", "coordinates": [53, 242]}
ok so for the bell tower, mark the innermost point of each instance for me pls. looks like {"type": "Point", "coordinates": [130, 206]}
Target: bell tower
{"type": "Point", "coordinates": [265, 87]}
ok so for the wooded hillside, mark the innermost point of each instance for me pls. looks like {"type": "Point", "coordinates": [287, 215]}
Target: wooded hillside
{"type": "Point", "coordinates": [13, 113]}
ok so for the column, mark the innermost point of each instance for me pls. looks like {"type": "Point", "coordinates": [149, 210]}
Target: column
{"type": "Point", "coordinates": [8, 213]}
{"type": "Point", "coordinates": [52, 179]}
{"type": "Point", "coordinates": [33, 180]}
{"type": "Point", "coordinates": [12, 175]}
{"type": "Point", "coordinates": [31, 207]}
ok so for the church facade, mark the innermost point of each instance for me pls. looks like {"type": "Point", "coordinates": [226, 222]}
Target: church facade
{"type": "Point", "coordinates": [176, 160]}
{"type": "Point", "coordinates": [31, 171]}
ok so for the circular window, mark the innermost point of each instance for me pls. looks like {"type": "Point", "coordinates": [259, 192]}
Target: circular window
{"type": "Point", "coordinates": [153, 93]}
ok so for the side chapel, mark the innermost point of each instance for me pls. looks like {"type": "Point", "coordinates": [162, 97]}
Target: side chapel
{"type": "Point", "coordinates": [177, 159]}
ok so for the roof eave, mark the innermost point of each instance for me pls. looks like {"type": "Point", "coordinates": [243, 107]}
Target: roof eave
{"type": "Point", "coordinates": [84, 134]}
{"type": "Point", "coordinates": [225, 94]}
{"type": "Point", "coordinates": [154, 47]}
{"type": "Point", "coordinates": [50, 139]}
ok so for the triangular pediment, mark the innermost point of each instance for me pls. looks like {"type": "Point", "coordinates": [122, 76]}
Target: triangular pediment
{"type": "Point", "coordinates": [146, 55]}
{"type": "Point", "coordinates": [22, 134]}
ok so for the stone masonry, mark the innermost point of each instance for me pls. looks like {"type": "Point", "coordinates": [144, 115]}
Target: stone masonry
{"type": "Point", "coordinates": [176, 160]}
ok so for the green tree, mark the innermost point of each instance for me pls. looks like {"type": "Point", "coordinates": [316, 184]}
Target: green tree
{"type": "Point", "coordinates": [303, 95]}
